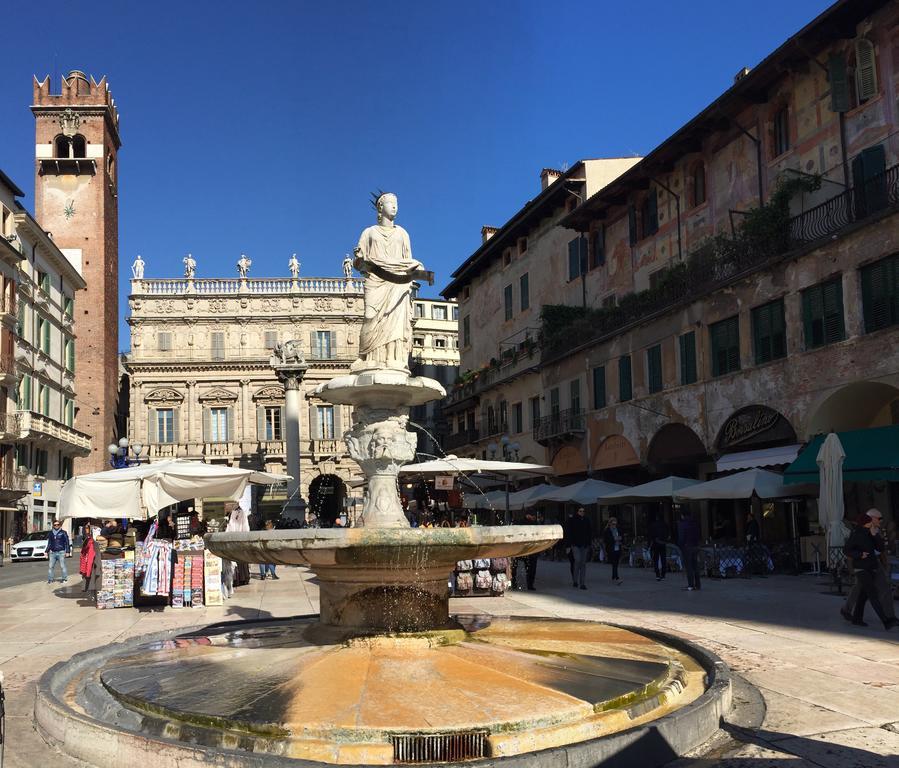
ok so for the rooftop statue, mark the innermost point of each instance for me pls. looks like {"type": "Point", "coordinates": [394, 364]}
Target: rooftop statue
{"type": "Point", "coordinates": [243, 266]}
{"type": "Point", "coordinates": [294, 266]}
{"type": "Point", "coordinates": [137, 268]}
{"type": "Point", "coordinates": [384, 258]}
{"type": "Point", "coordinates": [190, 267]}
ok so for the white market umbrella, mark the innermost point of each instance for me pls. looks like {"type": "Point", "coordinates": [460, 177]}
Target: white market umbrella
{"type": "Point", "coordinates": [529, 497]}
{"type": "Point", "coordinates": [656, 490]}
{"type": "Point", "coordinates": [587, 491]}
{"type": "Point", "coordinates": [742, 485]}
{"type": "Point", "coordinates": [135, 492]}
{"type": "Point", "coordinates": [452, 465]}
{"type": "Point", "coordinates": [831, 509]}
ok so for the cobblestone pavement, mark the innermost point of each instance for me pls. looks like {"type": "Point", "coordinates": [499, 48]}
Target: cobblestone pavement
{"type": "Point", "coordinates": [830, 690]}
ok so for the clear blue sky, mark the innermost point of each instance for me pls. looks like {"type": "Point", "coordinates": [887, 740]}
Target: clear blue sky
{"type": "Point", "coordinates": [262, 128]}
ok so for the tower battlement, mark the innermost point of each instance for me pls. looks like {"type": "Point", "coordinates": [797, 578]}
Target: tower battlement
{"type": "Point", "coordinates": [77, 89]}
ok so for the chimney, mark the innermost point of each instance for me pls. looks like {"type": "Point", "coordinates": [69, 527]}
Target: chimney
{"type": "Point", "coordinates": [487, 233]}
{"type": "Point", "coordinates": [548, 176]}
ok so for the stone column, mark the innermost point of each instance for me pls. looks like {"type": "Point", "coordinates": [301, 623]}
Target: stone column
{"type": "Point", "coordinates": [290, 367]}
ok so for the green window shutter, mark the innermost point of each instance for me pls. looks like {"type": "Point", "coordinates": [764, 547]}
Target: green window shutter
{"type": "Point", "coordinates": [834, 326]}
{"type": "Point", "coordinates": [281, 431]}
{"type": "Point", "coordinates": [599, 387]}
{"type": "Point", "coordinates": [725, 342]}
{"type": "Point", "coordinates": [338, 428]}
{"type": "Point", "coordinates": [625, 385]}
{"type": "Point", "coordinates": [839, 83]}
{"type": "Point", "coordinates": [810, 298]}
{"type": "Point", "coordinates": [525, 290]}
{"type": "Point", "coordinates": [507, 302]}
{"type": "Point", "coordinates": [229, 426]}
{"type": "Point", "coordinates": [632, 224]}
{"type": "Point", "coordinates": [654, 368]}
{"type": "Point", "coordinates": [651, 223]}
{"type": "Point", "coordinates": [26, 393]}
{"type": "Point", "coordinates": [176, 425]}
{"type": "Point", "coordinates": [865, 70]}
{"type": "Point", "coordinates": [869, 182]}
{"type": "Point", "coordinates": [574, 258]}
{"type": "Point", "coordinates": [688, 358]}
{"type": "Point", "coordinates": [207, 425]}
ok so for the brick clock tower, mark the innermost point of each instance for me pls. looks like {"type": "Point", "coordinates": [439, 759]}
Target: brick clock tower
{"type": "Point", "coordinates": [76, 200]}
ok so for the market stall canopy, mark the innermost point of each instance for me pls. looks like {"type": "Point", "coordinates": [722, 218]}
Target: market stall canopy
{"type": "Point", "coordinates": [585, 492]}
{"type": "Point", "coordinates": [451, 465]}
{"type": "Point", "coordinates": [119, 492]}
{"type": "Point", "coordinates": [657, 490]}
{"type": "Point", "coordinates": [871, 454]}
{"type": "Point", "coordinates": [742, 485]}
{"type": "Point", "coordinates": [764, 457]}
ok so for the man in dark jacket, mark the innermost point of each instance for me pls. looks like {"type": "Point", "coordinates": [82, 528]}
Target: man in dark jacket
{"type": "Point", "coordinates": [658, 545]}
{"type": "Point", "coordinates": [688, 539]}
{"type": "Point", "coordinates": [566, 543]}
{"type": "Point", "coordinates": [580, 538]}
{"type": "Point", "coordinates": [864, 547]}
{"type": "Point", "coordinates": [58, 547]}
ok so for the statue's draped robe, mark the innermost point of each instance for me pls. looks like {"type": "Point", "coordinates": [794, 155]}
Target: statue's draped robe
{"type": "Point", "coordinates": [388, 304]}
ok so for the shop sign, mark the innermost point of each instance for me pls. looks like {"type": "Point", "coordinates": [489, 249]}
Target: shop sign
{"type": "Point", "coordinates": [755, 424]}
{"type": "Point", "coordinates": [37, 489]}
{"type": "Point", "coordinates": [443, 483]}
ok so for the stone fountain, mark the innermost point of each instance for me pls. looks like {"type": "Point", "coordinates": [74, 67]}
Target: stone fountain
{"type": "Point", "coordinates": [384, 674]}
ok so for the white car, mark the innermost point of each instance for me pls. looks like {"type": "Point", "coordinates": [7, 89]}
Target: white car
{"type": "Point", "coordinates": [32, 547]}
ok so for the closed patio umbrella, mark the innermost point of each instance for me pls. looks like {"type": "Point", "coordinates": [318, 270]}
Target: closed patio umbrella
{"type": "Point", "coordinates": [831, 509]}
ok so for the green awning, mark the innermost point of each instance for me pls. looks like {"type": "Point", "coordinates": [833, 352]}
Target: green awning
{"type": "Point", "coordinates": [871, 454]}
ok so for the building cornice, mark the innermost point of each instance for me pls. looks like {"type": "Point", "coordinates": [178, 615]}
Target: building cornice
{"type": "Point", "coordinates": [56, 257]}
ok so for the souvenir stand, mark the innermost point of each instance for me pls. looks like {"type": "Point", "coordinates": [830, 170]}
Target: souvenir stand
{"type": "Point", "coordinates": [480, 578]}
{"type": "Point", "coordinates": [178, 570]}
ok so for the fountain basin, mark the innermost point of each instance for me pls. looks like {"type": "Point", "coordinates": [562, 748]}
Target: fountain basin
{"type": "Point", "coordinates": [383, 579]}
{"type": "Point", "coordinates": [534, 692]}
{"type": "Point", "coordinates": [381, 387]}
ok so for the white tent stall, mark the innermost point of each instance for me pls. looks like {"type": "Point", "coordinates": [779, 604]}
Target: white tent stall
{"type": "Point", "coordinates": [138, 492]}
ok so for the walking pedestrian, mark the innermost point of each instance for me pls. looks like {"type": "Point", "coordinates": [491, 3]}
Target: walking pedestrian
{"type": "Point", "coordinates": [569, 549]}
{"type": "Point", "coordinates": [90, 565]}
{"type": "Point", "coordinates": [865, 546]}
{"type": "Point", "coordinates": [688, 538]}
{"type": "Point", "coordinates": [268, 569]}
{"type": "Point", "coordinates": [580, 537]}
{"type": "Point", "coordinates": [613, 541]}
{"type": "Point", "coordinates": [658, 546]}
{"type": "Point", "coordinates": [58, 549]}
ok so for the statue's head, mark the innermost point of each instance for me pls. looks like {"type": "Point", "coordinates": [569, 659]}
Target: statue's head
{"type": "Point", "coordinates": [386, 205]}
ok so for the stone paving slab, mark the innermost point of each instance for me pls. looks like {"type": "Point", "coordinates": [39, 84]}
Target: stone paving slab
{"type": "Point", "coordinates": [825, 682]}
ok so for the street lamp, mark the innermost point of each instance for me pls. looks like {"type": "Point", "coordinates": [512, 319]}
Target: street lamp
{"type": "Point", "coordinates": [119, 457]}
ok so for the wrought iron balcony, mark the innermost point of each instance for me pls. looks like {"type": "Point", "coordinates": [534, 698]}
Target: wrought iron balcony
{"type": "Point", "coordinates": [458, 439]}
{"type": "Point", "coordinates": [559, 427]}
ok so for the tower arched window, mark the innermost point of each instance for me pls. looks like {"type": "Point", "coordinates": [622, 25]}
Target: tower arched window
{"type": "Point", "coordinates": [79, 146]}
{"type": "Point", "coordinates": [61, 146]}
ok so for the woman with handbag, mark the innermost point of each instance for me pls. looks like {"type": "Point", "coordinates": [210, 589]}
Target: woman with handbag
{"type": "Point", "coordinates": [614, 542]}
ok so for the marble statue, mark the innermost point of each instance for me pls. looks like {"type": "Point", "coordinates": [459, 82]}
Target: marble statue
{"type": "Point", "coordinates": [243, 266]}
{"type": "Point", "coordinates": [384, 259]}
{"type": "Point", "coordinates": [347, 266]}
{"type": "Point", "coordinates": [294, 266]}
{"type": "Point", "coordinates": [137, 269]}
{"type": "Point", "coordinates": [190, 267]}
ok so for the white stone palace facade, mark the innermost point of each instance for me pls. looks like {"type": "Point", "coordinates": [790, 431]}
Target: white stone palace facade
{"type": "Point", "coordinates": [201, 385]}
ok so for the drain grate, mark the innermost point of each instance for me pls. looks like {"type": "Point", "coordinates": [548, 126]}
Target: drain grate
{"type": "Point", "coordinates": [443, 747]}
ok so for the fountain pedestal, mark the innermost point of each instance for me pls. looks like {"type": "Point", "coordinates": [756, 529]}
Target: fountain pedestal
{"type": "Point", "coordinates": [379, 440]}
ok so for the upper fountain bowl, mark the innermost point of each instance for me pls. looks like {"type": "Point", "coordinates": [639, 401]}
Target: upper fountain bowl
{"type": "Point", "coordinates": [383, 579]}
{"type": "Point", "coordinates": [381, 387]}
